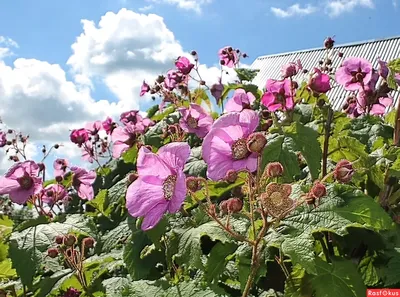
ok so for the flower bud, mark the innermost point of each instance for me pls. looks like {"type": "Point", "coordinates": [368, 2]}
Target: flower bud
{"type": "Point", "coordinates": [344, 171]}
{"type": "Point", "coordinates": [9, 142]}
{"type": "Point", "coordinates": [9, 131]}
{"type": "Point", "coordinates": [329, 42]}
{"type": "Point", "coordinates": [193, 53]}
{"type": "Point", "coordinates": [231, 176]}
{"type": "Point", "coordinates": [274, 169]}
{"type": "Point", "coordinates": [193, 184]}
{"type": "Point", "coordinates": [52, 252]}
{"type": "Point", "coordinates": [256, 142]}
{"type": "Point", "coordinates": [234, 205]}
{"type": "Point", "coordinates": [88, 242]}
{"type": "Point", "coordinates": [59, 239]}
{"type": "Point", "coordinates": [340, 54]}
{"type": "Point", "coordinates": [41, 166]}
{"type": "Point", "coordinates": [266, 114]}
{"type": "Point", "coordinates": [70, 240]}
{"type": "Point", "coordinates": [59, 179]}
{"type": "Point", "coordinates": [318, 190]}
{"type": "Point", "coordinates": [56, 146]}
{"type": "Point", "coordinates": [132, 177]}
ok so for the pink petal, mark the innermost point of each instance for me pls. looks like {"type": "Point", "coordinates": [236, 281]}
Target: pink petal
{"type": "Point", "coordinates": [119, 148]}
{"type": "Point", "coordinates": [151, 164]}
{"type": "Point", "coordinates": [175, 154]}
{"type": "Point", "coordinates": [154, 216]}
{"type": "Point", "coordinates": [179, 194]}
{"type": "Point", "coordinates": [85, 192]}
{"type": "Point", "coordinates": [143, 194]}
{"type": "Point", "coordinates": [386, 101]}
{"type": "Point", "coordinates": [268, 99]}
{"type": "Point", "coordinates": [8, 185]}
{"type": "Point", "coordinates": [378, 109]}
{"type": "Point", "coordinates": [20, 196]}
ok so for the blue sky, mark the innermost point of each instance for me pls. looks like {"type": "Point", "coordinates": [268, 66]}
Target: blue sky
{"type": "Point", "coordinates": [56, 87]}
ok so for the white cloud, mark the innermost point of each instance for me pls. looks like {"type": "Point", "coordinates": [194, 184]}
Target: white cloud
{"type": "Point", "coordinates": [294, 10]}
{"type": "Point", "coordinates": [120, 51]}
{"type": "Point", "coordinates": [6, 44]}
{"type": "Point", "coordinates": [145, 8]}
{"type": "Point", "coordinates": [337, 7]}
{"type": "Point", "coordinates": [195, 5]}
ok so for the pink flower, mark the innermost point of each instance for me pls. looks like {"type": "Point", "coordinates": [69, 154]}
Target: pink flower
{"type": "Point", "coordinates": [173, 79]}
{"type": "Point", "coordinates": [94, 127]}
{"type": "Point", "coordinates": [195, 120]}
{"type": "Point", "coordinates": [3, 139]}
{"type": "Point", "coordinates": [368, 103]}
{"type": "Point", "coordinates": [278, 96]}
{"type": "Point", "coordinates": [79, 136]}
{"type": "Point", "coordinates": [183, 64]}
{"type": "Point", "coordinates": [144, 88]}
{"type": "Point", "coordinates": [123, 138]}
{"type": "Point", "coordinates": [225, 146]}
{"type": "Point", "coordinates": [54, 193]}
{"type": "Point", "coordinates": [82, 181]}
{"type": "Point", "coordinates": [228, 56]}
{"type": "Point", "coordinates": [108, 125]}
{"type": "Point", "coordinates": [354, 73]}
{"type": "Point", "coordinates": [60, 167]}
{"type": "Point", "coordinates": [161, 184]}
{"type": "Point", "coordinates": [291, 69]}
{"type": "Point", "coordinates": [383, 70]}
{"type": "Point", "coordinates": [319, 82]}
{"type": "Point", "coordinates": [88, 152]}
{"type": "Point", "coordinates": [135, 120]}
{"type": "Point", "coordinates": [21, 182]}
{"type": "Point", "coordinates": [240, 101]}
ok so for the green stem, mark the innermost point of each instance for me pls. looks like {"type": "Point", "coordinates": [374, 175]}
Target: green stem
{"type": "Point", "coordinates": [326, 141]}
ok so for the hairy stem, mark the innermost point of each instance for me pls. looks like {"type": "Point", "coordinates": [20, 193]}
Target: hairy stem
{"type": "Point", "coordinates": [326, 140]}
{"type": "Point", "coordinates": [255, 263]}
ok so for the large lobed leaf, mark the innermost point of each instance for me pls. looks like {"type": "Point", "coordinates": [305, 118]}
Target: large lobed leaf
{"type": "Point", "coordinates": [343, 207]}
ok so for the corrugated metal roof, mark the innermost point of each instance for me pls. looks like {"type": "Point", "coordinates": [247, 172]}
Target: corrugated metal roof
{"type": "Point", "coordinates": [386, 49]}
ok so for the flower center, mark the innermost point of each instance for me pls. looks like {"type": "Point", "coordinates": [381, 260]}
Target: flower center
{"type": "Point", "coordinates": [239, 149]}
{"type": "Point", "coordinates": [25, 182]}
{"type": "Point", "coordinates": [276, 198]}
{"type": "Point", "coordinates": [192, 122]}
{"type": "Point", "coordinates": [280, 98]}
{"type": "Point", "coordinates": [169, 187]}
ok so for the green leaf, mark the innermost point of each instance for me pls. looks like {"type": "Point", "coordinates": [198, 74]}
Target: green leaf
{"type": "Point", "coordinates": [246, 74]}
{"type": "Point", "coordinates": [390, 118]}
{"type": "Point", "coordinates": [299, 283]}
{"type": "Point", "coordinates": [344, 207]}
{"type": "Point", "coordinates": [152, 111]}
{"type": "Point", "coordinates": [137, 267]}
{"type": "Point", "coordinates": [219, 257]}
{"type": "Point", "coordinates": [306, 140]}
{"type": "Point", "coordinates": [282, 149]}
{"type": "Point", "coordinates": [100, 202]}
{"type": "Point", "coordinates": [189, 289]}
{"type": "Point", "coordinates": [48, 284]}
{"type": "Point", "coordinates": [6, 225]}
{"type": "Point", "coordinates": [195, 165]}
{"type": "Point", "coordinates": [115, 285]}
{"type": "Point", "coordinates": [370, 129]}
{"type": "Point", "coordinates": [116, 236]}
{"type": "Point", "coordinates": [6, 270]}
{"type": "Point", "coordinates": [199, 96]}
{"type": "Point", "coordinates": [32, 223]}
{"type": "Point", "coordinates": [27, 246]}
{"type": "Point", "coordinates": [130, 155]}
{"type": "Point", "coordinates": [340, 278]}
{"type": "Point", "coordinates": [165, 113]}
{"type": "Point", "coordinates": [189, 249]}
{"type": "Point", "coordinates": [391, 271]}
{"type": "Point", "coordinates": [346, 147]}
{"type": "Point", "coordinates": [368, 271]}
